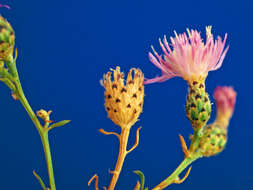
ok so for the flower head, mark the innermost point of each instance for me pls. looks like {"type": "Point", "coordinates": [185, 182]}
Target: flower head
{"type": "Point", "coordinates": [123, 102]}
{"type": "Point", "coordinates": [225, 98]}
{"type": "Point", "coordinates": [189, 57]}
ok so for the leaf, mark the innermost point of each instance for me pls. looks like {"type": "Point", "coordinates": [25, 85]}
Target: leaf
{"type": "Point", "coordinates": [141, 175]}
{"type": "Point", "coordinates": [59, 124]}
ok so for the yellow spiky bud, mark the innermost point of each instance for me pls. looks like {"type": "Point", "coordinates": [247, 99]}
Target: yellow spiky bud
{"type": "Point", "coordinates": [124, 100]}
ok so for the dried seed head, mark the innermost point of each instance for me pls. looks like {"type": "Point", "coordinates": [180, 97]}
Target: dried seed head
{"type": "Point", "coordinates": [124, 100]}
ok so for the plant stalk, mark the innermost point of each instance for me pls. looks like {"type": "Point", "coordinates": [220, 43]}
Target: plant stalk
{"type": "Point", "coordinates": [42, 131]}
{"type": "Point", "coordinates": [171, 179]}
{"type": "Point", "coordinates": [121, 157]}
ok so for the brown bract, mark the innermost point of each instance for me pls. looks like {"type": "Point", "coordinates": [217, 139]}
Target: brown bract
{"type": "Point", "coordinates": [124, 100]}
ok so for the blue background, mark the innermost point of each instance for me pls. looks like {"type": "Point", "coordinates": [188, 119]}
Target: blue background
{"type": "Point", "coordinates": [65, 47]}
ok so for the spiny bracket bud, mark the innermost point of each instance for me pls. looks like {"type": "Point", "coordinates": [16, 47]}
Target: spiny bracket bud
{"type": "Point", "coordinates": [198, 106]}
{"type": "Point", "coordinates": [184, 147]}
{"type": "Point", "coordinates": [213, 140]}
{"type": "Point", "coordinates": [7, 40]}
{"type": "Point", "coordinates": [124, 102]}
{"type": "Point", "coordinates": [44, 115]}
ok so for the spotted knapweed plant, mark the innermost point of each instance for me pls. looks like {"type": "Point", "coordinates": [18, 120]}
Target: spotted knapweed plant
{"type": "Point", "coordinates": [9, 76]}
{"type": "Point", "coordinates": [186, 56]}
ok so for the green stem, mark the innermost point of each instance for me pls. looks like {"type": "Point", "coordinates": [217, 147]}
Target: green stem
{"type": "Point", "coordinates": [171, 179]}
{"type": "Point", "coordinates": [195, 140]}
{"type": "Point", "coordinates": [42, 131]}
{"type": "Point", "coordinates": [45, 142]}
{"type": "Point", "coordinates": [26, 105]}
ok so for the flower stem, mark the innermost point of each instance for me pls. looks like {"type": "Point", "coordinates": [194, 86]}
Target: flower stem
{"type": "Point", "coordinates": [42, 131]}
{"type": "Point", "coordinates": [193, 154]}
{"type": "Point", "coordinates": [46, 147]}
{"type": "Point", "coordinates": [171, 179]}
{"type": "Point", "coordinates": [121, 157]}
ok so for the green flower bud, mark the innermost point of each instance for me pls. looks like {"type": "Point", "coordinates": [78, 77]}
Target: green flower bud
{"type": "Point", "coordinates": [7, 40]}
{"type": "Point", "coordinates": [213, 140]}
{"type": "Point", "coordinates": [198, 106]}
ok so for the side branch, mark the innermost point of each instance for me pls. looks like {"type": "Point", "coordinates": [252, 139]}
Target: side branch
{"type": "Point", "coordinates": [136, 141]}
{"type": "Point", "coordinates": [40, 180]}
{"type": "Point", "coordinates": [173, 178]}
{"type": "Point", "coordinates": [178, 180]}
{"type": "Point", "coordinates": [109, 133]}
{"type": "Point", "coordinates": [96, 181]}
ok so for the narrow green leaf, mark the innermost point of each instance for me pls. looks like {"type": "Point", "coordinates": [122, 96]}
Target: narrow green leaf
{"type": "Point", "coordinates": [40, 180]}
{"type": "Point", "coordinates": [141, 175]}
{"type": "Point", "coordinates": [59, 124]}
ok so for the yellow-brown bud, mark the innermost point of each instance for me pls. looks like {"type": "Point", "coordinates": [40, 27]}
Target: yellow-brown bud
{"type": "Point", "coordinates": [124, 100]}
{"type": "Point", "coordinates": [44, 115]}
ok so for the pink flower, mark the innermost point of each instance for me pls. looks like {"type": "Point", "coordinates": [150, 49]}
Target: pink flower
{"type": "Point", "coordinates": [225, 97]}
{"type": "Point", "coordinates": [189, 57]}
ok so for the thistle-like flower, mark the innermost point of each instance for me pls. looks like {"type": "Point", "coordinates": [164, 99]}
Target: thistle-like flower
{"type": "Point", "coordinates": [191, 59]}
{"type": "Point", "coordinates": [123, 102]}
